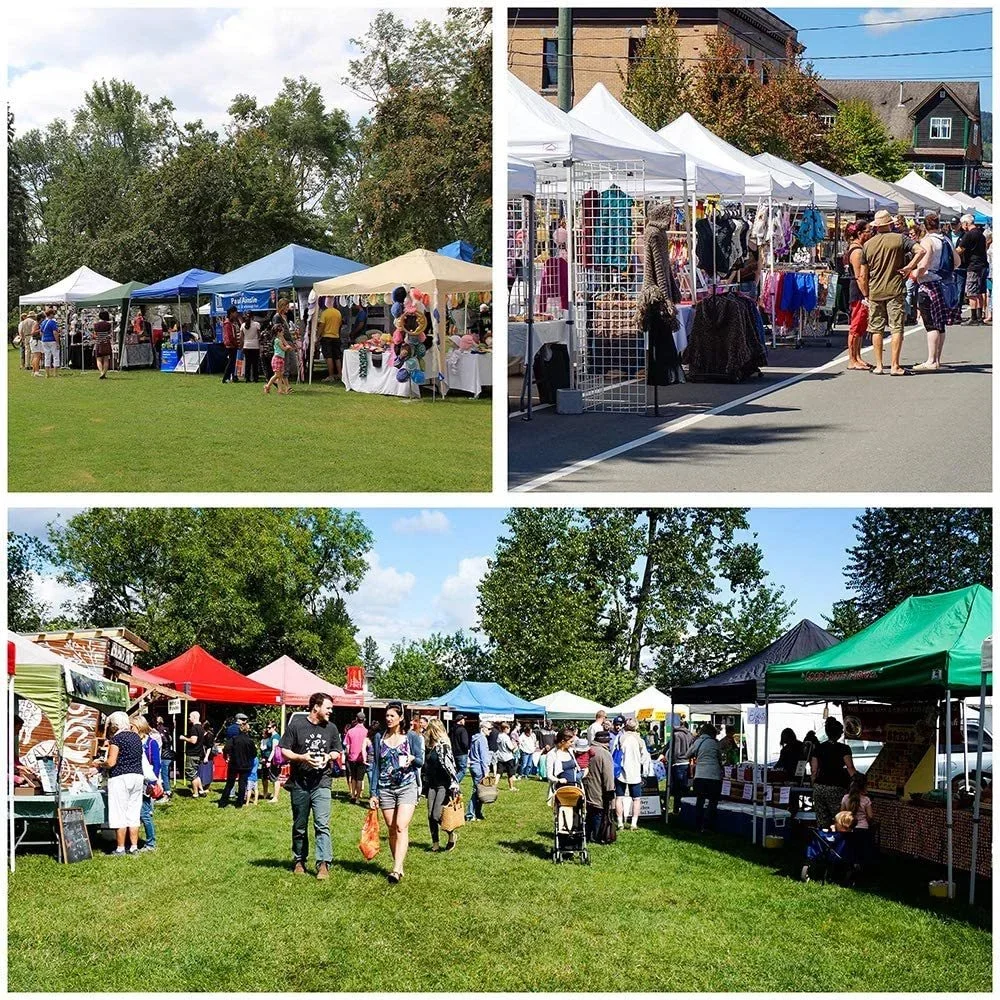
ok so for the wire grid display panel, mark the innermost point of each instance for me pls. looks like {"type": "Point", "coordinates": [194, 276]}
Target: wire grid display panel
{"type": "Point", "coordinates": [609, 219]}
{"type": "Point", "coordinates": [517, 260]}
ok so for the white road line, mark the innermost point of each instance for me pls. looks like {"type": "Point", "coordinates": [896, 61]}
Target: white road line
{"type": "Point", "coordinates": [675, 426]}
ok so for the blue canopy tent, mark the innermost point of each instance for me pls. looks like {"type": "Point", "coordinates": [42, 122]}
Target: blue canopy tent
{"type": "Point", "coordinates": [292, 266]}
{"type": "Point", "coordinates": [486, 698]}
{"type": "Point", "coordinates": [460, 250]}
{"type": "Point", "coordinates": [178, 287]}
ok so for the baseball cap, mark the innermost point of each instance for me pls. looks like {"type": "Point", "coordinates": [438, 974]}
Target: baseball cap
{"type": "Point", "coordinates": [241, 717]}
{"type": "Point", "coordinates": [619, 720]}
{"type": "Point", "coordinates": [580, 745]}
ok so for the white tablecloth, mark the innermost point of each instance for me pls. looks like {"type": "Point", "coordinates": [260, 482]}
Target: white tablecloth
{"type": "Point", "coordinates": [468, 371]}
{"type": "Point", "coordinates": [550, 332]}
{"type": "Point", "coordinates": [379, 380]}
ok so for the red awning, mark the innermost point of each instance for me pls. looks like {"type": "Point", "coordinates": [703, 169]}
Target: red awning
{"type": "Point", "coordinates": [205, 678]}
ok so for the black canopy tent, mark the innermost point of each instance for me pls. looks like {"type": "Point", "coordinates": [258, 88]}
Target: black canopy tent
{"type": "Point", "coordinates": [744, 683]}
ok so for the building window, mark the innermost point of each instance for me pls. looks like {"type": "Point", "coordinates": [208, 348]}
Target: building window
{"type": "Point", "coordinates": [828, 120]}
{"type": "Point", "coordinates": [550, 64]}
{"type": "Point", "coordinates": [934, 172]}
{"type": "Point", "coordinates": [764, 74]}
{"type": "Point", "coordinates": [940, 128]}
{"type": "Point", "coordinates": [975, 134]}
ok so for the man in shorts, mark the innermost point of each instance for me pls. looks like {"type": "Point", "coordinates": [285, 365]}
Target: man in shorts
{"type": "Point", "coordinates": [356, 741]}
{"type": "Point", "coordinates": [50, 342]}
{"type": "Point", "coordinates": [194, 752]}
{"type": "Point", "coordinates": [930, 294]}
{"type": "Point", "coordinates": [886, 259]}
{"type": "Point", "coordinates": [972, 254]}
{"type": "Point", "coordinates": [330, 321]}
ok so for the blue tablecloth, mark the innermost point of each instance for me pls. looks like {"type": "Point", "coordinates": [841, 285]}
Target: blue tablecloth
{"type": "Point", "coordinates": [213, 356]}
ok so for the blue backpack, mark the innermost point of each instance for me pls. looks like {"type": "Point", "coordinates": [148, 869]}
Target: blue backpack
{"type": "Point", "coordinates": [950, 288]}
{"type": "Point", "coordinates": [618, 759]}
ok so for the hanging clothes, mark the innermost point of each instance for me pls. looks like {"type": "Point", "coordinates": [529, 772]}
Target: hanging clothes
{"type": "Point", "coordinates": [614, 229]}
{"type": "Point", "coordinates": [555, 282]}
{"type": "Point", "coordinates": [812, 228]}
{"type": "Point", "coordinates": [724, 344]}
{"type": "Point", "coordinates": [590, 213]}
{"type": "Point", "coordinates": [759, 228]}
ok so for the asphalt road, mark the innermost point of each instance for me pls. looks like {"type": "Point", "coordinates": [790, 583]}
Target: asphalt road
{"type": "Point", "coordinates": [831, 431]}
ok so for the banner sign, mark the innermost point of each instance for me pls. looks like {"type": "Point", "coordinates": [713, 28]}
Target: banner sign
{"type": "Point", "coordinates": [120, 657]}
{"type": "Point", "coordinates": [914, 723]}
{"type": "Point", "coordinates": [244, 301]}
{"type": "Point", "coordinates": [173, 706]}
{"type": "Point", "coordinates": [355, 679]}
{"type": "Point", "coordinates": [96, 691]}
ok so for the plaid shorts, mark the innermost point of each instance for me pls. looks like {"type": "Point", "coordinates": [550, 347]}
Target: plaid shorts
{"type": "Point", "coordinates": [933, 310]}
{"type": "Point", "coordinates": [277, 365]}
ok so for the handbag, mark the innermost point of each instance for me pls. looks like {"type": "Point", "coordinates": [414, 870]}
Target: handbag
{"type": "Point", "coordinates": [487, 790]}
{"type": "Point", "coordinates": [453, 814]}
{"type": "Point", "coordinates": [370, 841]}
{"type": "Point", "coordinates": [205, 773]}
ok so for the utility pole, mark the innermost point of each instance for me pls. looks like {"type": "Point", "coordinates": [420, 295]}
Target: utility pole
{"type": "Point", "coordinates": [565, 58]}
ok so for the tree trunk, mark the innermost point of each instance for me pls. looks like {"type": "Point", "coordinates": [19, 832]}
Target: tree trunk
{"type": "Point", "coordinates": [642, 601]}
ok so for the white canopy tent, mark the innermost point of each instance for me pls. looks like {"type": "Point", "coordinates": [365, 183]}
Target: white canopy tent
{"type": "Point", "coordinates": [563, 705]}
{"type": "Point", "coordinates": [521, 178]}
{"type": "Point", "coordinates": [909, 202]}
{"type": "Point", "coordinates": [972, 204]}
{"type": "Point", "coordinates": [651, 700]}
{"type": "Point", "coordinates": [914, 182]}
{"type": "Point", "coordinates": [878, 201]}
{"type": "Point", "coordinates": [826, 193]}
{"type": "Point", "coordinates": [83, 282]}
{"type": "Point", "coordinates": [430, 272]}
{"type": "Point", "coordinates": [600, 110]}
{"type": "Point", "coordinates": [760, 181]}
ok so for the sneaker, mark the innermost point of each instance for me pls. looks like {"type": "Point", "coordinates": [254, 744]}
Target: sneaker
{"type": "Point", "coordinates": [299, 869]}
{"type": "Point", "coordinates": [146, 848]}
{"type": "Point", "coordinates": [322, 871]}
{"type": "Point", "coordinates": [133, 850]}
{"type": "Point", "coordinates": [119, 852]}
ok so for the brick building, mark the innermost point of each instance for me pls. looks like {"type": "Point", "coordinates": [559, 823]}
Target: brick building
{"type": "Point", "coordinates": [605, 41]}
{"type": "Point", "coordinates": [939, 120]}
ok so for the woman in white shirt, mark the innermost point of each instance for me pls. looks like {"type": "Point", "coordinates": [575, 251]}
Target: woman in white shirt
{"type": "Point", "coordinates": [250, 335]}
{"type": "Point", "coordinates": [505, 754]}
{"type": "Point", "coordinates": [528, 745]}
{"type": "Point", "coordinates": [628, 779]}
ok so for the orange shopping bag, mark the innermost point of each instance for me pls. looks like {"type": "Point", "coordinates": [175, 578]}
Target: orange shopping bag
{"type": "Point", "coordinates": [369, 842]}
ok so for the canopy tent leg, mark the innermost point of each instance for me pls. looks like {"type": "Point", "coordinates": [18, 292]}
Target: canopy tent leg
{"type": "Point", "coordinates": [313, 326]}
{"type": "Point", "coordinates": [949, 819]}
{"type": "Point", "coordinates": [570, 272]}
{"type": "Point", "coordinates": [11, 822]}
{"type": "Point", "coordinates": [670, 763]}
{"type": "Point", "coordinates": [763, 826]}
{"type": "Point", "coordinates": [690, 209]}
{"type": "Point", "coordinates": [440, 340]}
{"type": "Point", "coordinates": [773, 262]}
{"type": "Point", "coordinates": [978, 795]}
{"type": "Point", "coordinates": [528, 253]}
{"type": "Point", "coordinates": [756, 727]}
{"type": "Point", "coordinates": [963, 722]}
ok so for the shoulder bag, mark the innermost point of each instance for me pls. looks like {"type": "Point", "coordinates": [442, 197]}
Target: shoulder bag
{"type": "Point", "coordinates": [453, 814]}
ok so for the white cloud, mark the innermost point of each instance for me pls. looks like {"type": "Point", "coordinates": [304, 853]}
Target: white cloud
{"type": "Point", "coordinates": [35, 520]}
{"type": "Point", "coordinates": [55, 594]}
{"type": "Point", "coordinates": [456, 603]}
{"type": "Point", "coordinates": [385, 586]}
{"type": "Point", "coordinates": [427, 522]}
{"type": "Point", "coordinates": [199, 58]}
{"type": "Point", "coordinates": [878, 20]}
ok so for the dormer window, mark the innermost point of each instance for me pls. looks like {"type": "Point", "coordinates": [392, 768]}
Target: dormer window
{"type": "Point", "coordinates": [940, 128]}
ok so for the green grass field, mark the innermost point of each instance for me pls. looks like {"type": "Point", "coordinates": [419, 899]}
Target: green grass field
{"type": "Point", "coordinates": [145, 431]}
{"type": "Point", "coordinates": [216, 908]}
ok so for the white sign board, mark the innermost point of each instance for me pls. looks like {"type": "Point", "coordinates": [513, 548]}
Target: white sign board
{"type": "Point", "coordinates": [757, 715]}
{"type": "Point", "coordinates": [649, 805]}
{"type": "Point", "coordinates": [783, 796]}
{"type": "Point", "coordinates": [447, 716]}
{"type": "Point", "coordinates": [747, 792]}
{"type": "Point", "coordinates": [727, 789]}
{"type": "Point", "coordinates": [800, 769]}
{"type": "Point", "coordinates": [173, 706]}
{"type": "Point", "coordinates": [494, 717]}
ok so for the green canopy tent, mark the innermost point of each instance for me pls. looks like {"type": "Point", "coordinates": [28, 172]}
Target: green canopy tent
{"type": "Point", "coordinates": [927, 647]}
{"type": "Point", "coordinates": [116, 298]}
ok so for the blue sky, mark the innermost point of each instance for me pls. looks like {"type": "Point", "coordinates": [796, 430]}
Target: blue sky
{"type": "Point", "coordinates": [426, 564]}
{"type": "Point", "coordinates": [869, 36]}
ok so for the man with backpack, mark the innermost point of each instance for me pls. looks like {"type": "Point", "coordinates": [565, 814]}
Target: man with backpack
{"type": "Point", "coordinates": [972, 253]}
{"type": "Point", "coordinates": [937, 292]}
{"type": "Point", "coordinates": [681, 740]}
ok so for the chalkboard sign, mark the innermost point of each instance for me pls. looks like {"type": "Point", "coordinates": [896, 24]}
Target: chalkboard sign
{"type": "Point", "coordinates": [73, 836]}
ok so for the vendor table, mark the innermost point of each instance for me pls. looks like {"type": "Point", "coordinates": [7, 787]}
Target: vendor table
{"type": "Point", "coordinates": [549, 332]}
{"type": "Point", "coordinates": [378, 380]}
{"type": "Point", "coordinates": [137, 356]}
{"type": "Point", "coordinates": [213, 357]}
{"type": "Point", "coordinates": [469, 371]}
{"type": "Point", "coordinates": [920, 832]}
{"type": "Point", "coordinates": [42, 808]}
{"type": "Point", "coordinates": [738, 817]}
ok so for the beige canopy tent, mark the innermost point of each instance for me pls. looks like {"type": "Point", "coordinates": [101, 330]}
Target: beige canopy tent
{"type": "Point", "coordinates": [430, 272]}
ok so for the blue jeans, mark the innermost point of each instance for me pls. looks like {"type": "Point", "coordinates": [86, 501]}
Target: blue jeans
{"type": "Point", "coordinates": [475, 807]}
{"type": "Point", "coordinates": [527, 765]}
{"type": "Point", "coordinates": [146, 819]}
{"type": "Point", "coordinates": [462, 763]}
{"type": "Point", "coordinates": [317, 801]}
{"type": "Point", "coordinates": [165, 774]}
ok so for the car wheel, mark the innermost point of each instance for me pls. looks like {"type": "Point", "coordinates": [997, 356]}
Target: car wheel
{"type": "Point", "coordinates": [959, 786]}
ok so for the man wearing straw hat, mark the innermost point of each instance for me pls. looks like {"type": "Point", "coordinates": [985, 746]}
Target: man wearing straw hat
{"type": "Point", "coordinates": [886, 259]}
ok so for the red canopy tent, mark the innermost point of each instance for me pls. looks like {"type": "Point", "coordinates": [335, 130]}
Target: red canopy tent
{"type": "Point", "coordinates": [205, 678]}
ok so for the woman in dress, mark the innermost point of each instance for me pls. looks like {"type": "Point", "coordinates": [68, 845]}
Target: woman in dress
{"type": "Point", "coordinates": [442, 781]}
{"type": "Point", "coordinates": [102, 349]}
{"type": "Point", "coordinates": [392, 778]}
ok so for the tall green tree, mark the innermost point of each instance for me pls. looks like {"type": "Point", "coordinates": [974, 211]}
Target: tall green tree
{"type": "Point", "coordinates": [371, 660]}
{"type": "Point", "coordinates": [426, 668]}
{"type": "Point", "coordinates": [18, 216]}
{"type": "Point", "coordinates": [860, 142]}
{"type": "Point", "coordinates": [910, 551]}
{"type": "Point", "coordinates": [26, 612]}
{"type": "Point", "coordinates": [657, 81]}
{"type": "Point", "coordinates": [248, 584]}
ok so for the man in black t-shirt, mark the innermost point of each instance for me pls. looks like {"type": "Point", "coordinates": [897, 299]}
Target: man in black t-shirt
{"type": "Point", "coordinates": [240, 752]}
{"type": "Point", "coordinates": [194, 751]}
{"type": "Point", "coordinates": [971, 250]}
{"type": "Point", "coordinates": [311, 743]}
{"type": "Point", "coordinates": [460, 742]}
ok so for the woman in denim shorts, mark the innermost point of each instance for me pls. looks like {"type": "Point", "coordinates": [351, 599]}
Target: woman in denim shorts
{"type": "Point", "coordinates": [392, 776]}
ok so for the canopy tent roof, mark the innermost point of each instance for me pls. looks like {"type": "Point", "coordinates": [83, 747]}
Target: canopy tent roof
{"type": "Point", "coordinates": [923, 646]}
{"type": "Point", "coordinates": [142, 680]}
{"type": "Point", "coordinates": [478, 697]}
{"type": "Point", "coordinates": [909, 202]}
{"type": "Point", "coordinates": [601, 111]}
{"type": "Point", "coordinates": [177, 286]}
{"type": "Point", "coordinates": [977, 206]}
{"type": "Point", "coordinates": [207, 679]}
{"type": "Point", "coordinates": [296, 683]}
{"type": "Point", "coordinates": [914, 182]}
{"type": "Point", "coordinates": [521, 178]}
{"type": "Point", "coordinates": [739, 684]}
{"type": "Point", "coordinates": [459, 250]}
{"type": "Point", "coordinates": [760, 180]}
{"type": "Point", "coordinates": [292, 266]}
{"type": "Point", "coordinates": [541, 134]}
{"type": "Point", "coordinates": [878, 201]}
{"type": "Point", "coordinates": [564, 705]}
{"type": "Point", "coordinates": [419, 269]}
{"type": "Point", "coordinates": [652, 699]}
{"type": "Point", "coordinates": [82, 283]}
{"type": "Point", "coordinates": [826, 193]}
{"type": "Point", "coordinates": [113, 296]}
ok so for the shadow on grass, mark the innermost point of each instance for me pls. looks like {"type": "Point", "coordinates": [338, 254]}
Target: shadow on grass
{"type": "Point", "coordinates": [902, 880]}
{"type": "Point", "coordinates": [532, 847]}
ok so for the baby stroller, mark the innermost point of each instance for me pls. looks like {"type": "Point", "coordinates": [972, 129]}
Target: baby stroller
{"type": "Point", "coordinates": [827, 856]}
{"type": "Point", "coordinates": [569, 817]}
